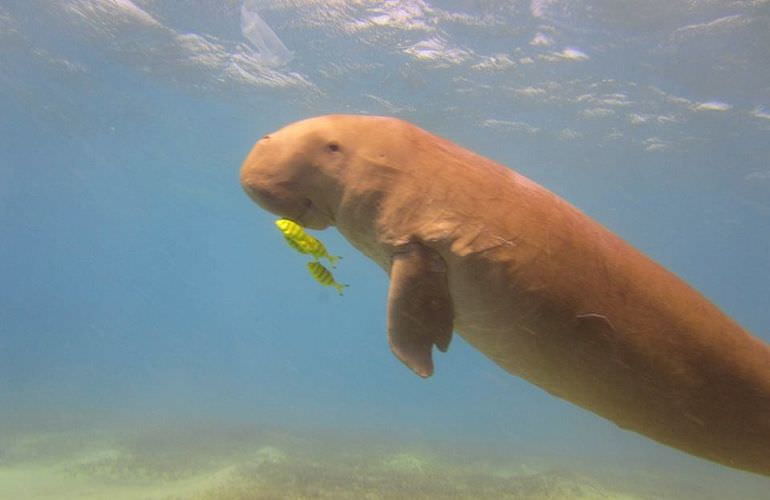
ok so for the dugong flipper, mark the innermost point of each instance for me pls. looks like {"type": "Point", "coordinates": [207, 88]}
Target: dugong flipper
{"type": "Point", "coordinates": [536, 285]}
{"type": "Point", "coordinates": [419, 307]}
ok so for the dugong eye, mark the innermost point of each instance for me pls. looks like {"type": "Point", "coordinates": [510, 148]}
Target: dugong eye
{"type": "Point", "coordinates": [333, 146]}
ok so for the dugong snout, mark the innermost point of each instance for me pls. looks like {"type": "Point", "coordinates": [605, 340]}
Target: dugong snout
{"type": "Point", "coordinates": [282, 180]}
{"type": "Point", "coordinates": [275, 198]}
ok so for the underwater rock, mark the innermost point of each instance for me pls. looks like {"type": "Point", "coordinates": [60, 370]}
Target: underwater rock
{"type": "Point", "coordinates": [269, 455]}
{"type": "Point", "coordinates": [406, 462]}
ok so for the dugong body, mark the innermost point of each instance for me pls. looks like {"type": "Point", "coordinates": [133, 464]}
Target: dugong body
{"type": "Point", "coordinates": [540, 288]}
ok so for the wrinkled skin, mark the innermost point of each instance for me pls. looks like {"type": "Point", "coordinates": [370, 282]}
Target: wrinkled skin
{"type": "Point", "coordinates": [533, 283]}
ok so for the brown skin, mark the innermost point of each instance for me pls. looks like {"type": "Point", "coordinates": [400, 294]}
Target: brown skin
{"type": "Point", "coordinates": [539, 287]}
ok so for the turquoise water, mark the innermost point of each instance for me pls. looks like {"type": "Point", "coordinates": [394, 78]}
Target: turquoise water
{"type": "Point", "coordinates": [159, 340]}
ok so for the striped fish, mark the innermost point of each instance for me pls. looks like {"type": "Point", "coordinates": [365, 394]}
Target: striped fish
{"type": "Point", "coordinates": [297, 245]}
{"type": "Point", "coordinates": [324, 276]}
{"type": "Point", "coordinates": [299, 240]}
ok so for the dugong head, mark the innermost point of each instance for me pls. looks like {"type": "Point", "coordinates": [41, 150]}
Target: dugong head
{"type": "Point", "coordinates": [296, 172]}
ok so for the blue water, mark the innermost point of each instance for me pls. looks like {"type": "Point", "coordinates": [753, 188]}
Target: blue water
{"type": "Point", "coordinates": [139, 286]}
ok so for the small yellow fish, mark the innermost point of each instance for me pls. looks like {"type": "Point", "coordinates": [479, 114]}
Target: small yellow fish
{"type": "Point", "coordinates": [297, 245]}
{"type": "Point", "coordinates": [302, 242]}
{"type": "Point", "coordinates": [324, 276]}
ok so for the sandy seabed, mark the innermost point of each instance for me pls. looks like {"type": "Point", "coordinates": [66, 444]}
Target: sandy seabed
{"type": "Point", "coordinates": [240, 463]}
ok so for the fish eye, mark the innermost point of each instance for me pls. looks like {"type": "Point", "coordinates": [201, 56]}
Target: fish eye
{"type": "Point", "coordinates": [333, 146]}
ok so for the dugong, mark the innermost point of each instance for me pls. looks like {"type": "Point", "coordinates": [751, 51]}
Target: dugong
{"type": "Point", "coordinates": [540, 288]}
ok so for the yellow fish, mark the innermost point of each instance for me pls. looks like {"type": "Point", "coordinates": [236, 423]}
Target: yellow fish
{"type": "Point", "coordinates": [297, 245]}
{"type": "Point", "coordinates": [302, 242]}
{"type": "Point", "coordinates": [324, 276]}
